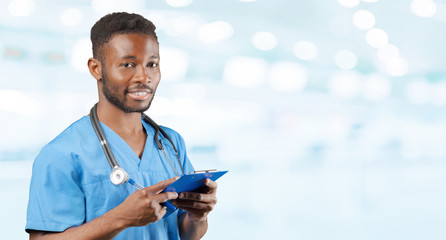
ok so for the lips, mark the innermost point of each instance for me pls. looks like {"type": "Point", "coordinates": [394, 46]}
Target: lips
{"type": "Point", "coordinates": [139, 94]}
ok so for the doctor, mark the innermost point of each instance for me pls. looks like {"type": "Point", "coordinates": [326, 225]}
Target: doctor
{"type": "Point", "coordinates": [71, 195]}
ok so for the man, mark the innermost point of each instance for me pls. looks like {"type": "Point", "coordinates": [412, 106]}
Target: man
{"type": "Point", "coordinates": [71, 195]}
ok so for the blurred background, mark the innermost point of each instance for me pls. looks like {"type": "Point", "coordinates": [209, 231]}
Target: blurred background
{"type": "Point", "coordinates": [329, 114]}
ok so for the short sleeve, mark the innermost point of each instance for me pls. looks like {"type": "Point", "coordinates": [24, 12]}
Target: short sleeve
{"type": "Point", "coordinates": [56, 201]}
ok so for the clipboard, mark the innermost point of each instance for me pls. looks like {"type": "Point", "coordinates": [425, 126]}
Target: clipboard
{"type": "Point", "coordinates": [190, 183]}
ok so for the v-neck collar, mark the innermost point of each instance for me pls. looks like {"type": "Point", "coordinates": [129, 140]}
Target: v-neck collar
{"type": "Point", "coordinates": [122, 149]}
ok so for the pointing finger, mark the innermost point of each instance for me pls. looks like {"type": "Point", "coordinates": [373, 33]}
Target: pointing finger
{"type": "Point", "coordinates": [163, 197]}
{"type": "Point", "coordinates": [157, 188]}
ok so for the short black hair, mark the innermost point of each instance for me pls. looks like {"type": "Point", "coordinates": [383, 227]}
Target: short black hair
{"type": "Point", "coordinates": [118, 23]}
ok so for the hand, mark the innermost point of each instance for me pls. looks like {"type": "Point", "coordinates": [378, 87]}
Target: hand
{"type": "Point", "coordinates": [198, 204]}
{"type": "Point", "coordinates": [144, 206]}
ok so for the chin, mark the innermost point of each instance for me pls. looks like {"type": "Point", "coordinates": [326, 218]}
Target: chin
{"type": "Point", "coordinates": [138, 108]}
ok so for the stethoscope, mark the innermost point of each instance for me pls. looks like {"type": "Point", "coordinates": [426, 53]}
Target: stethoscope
{"type": "Point", "coordinates": [118, 175]}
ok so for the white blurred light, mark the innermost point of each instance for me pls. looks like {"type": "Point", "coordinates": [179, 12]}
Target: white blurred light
{"type": "Point", "coordinates": [344, 84]}
{"type": "Point", "coordinates": [158, 19]}
{"type": "Point", "coordinates": [349, 3]}
{"type": "Point", "coordinates": [288, 76]}
{"type": "Point", "coordinates": [439, 96]}
{"type": "Point", "coordinates": [423, 8]}
{"type": "Point", "coordinates": [377, 37]}
{"type": "Point", "coordinates": [440, 13]}
{"type": "Point", "coordinates": [109, 6]}
{"type": "Point", "coordinates": [20, 102]}
{"type": "Point", "coordinates": [305, 50]}
{"type": "Point", "coordinates": [264, 40]}
{"type": "Point", "coordinates": [22, 8]}
{"type": "Point", "coordinates": [71, 17]}
{"type": "Point", "coordinates": [80, 55]}
{"type": "Point", "coordinates": [180, 25]}
{"type": "Point", "coordinates": [179, 3]}
{"type": "Point", "coordinates": [346, 59]}
{"type": "Point", "coordinates": [174, 63]}
{"type": "Point", "coordinates": [161, 106]}
{"type": "Point", "coordinates": [418, 92]}
{"type": "Point", "coordinates": [103, 6]}
{"type": "Point", "coordinates": [388, 51]}
{"type": "Point", "coordinates": [245, 72]}
{"type": "Point", "coordinates": [364, 19]}
{"type": "Point", "coordinates": [184, 107]}
{"type": "Point", "coordinates": [215, 31]}
{"type": "Point", "coordinates": [189, 90]}
{"type": "Point", "coordinates": [397, 66]}
{"type": "Point", "coordinates": [376, 87]}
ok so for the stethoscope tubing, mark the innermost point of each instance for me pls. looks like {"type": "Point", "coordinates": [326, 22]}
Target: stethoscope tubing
{"type": "Point", "coordinates": [108, 152]}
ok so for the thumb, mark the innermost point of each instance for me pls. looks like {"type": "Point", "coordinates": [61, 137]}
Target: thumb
{"type": "Point", "coordinates": [157, 188]}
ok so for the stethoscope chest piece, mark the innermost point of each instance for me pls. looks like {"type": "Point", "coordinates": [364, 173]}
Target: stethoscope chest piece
{"type": "Point", "coordinates": [118, 175]}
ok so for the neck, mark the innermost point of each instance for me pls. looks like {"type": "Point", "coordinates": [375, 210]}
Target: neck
{"type": "Point", "coordinates": [118, 120]}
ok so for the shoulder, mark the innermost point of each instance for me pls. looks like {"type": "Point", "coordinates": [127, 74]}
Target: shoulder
{"type": "Point", "coordinates": [67, 142]}
{"type": "Point", "coordinates": [174, 135]}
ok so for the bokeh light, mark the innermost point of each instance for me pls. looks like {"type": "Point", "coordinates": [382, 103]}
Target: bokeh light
{"type": "Point", "coordinates": [349, 3]}
{"type": "Point", "coordinates": [377, 37]}
{"type": "Point", "coordinates": [264, 41]}
{"type": "Point", "coordinates": [174, 63]}
{"type": "Point", "coordinates": [71, 17]}
{"type": "Point", "coordinates": [288, 76]}
{"type": "Point", "coordinates": [364, 19]}
{"type": "Point", "coordinates": [387, 52]}
{"type": "Point", "coordinates": [215, 31]}
{"type": "Point", "coordinates": [179, 3]}
{"type": "Point", "coordinates": [397, 66]}
{"type": "Point", "coordinates": [245, 72]}
{"type": "Point", "coordinates": [80, 55]}
{"type": "Point", "coordinates": [22, 8]}
{"type": "Point", "coordinates": [305, 50]}
{"type": "Point", "coordinates": [345, 59]}
{"type": "Point", "coordinates": [376, 87]}
{"type": "Point", "coordinates": [345, 84]}
{"type": "Point", "coordinates": [423, 8]}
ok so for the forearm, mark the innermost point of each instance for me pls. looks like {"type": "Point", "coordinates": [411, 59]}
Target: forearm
{"type": "Point", "coordinates": [104, 227]}
{"type": "Point", "coordinates": [191, 229]}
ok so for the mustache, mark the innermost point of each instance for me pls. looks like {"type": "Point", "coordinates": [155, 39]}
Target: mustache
{"type": "Point", "coordinates": [140, 87]}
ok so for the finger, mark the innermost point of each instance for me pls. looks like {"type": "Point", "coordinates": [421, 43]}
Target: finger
{"type": "Point", "coordinates": [210, 184]}
{"type": "Point", "coordinates": [201, 197]}
{"type": "Point", "coordinates": [193, 206]}
{"type": "Point", "coordinates": [157, 188]}
{"type": "Point", "coordinates": [163, 197]}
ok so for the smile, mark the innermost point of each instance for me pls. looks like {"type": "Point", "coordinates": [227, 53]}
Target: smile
{"type": "Point", "coordinates": [140, 95]}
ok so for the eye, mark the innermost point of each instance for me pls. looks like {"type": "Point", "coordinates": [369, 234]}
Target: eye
{"type": "Point", "coordinates": [128, 65]}
{"type": "Point", "coordinates": [152, 64]}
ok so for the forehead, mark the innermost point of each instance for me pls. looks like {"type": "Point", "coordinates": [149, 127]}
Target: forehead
{"type": "Point", "coordinates": [138, 45]}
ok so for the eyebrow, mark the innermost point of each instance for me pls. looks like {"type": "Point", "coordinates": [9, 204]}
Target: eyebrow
{"type": "Point", "coordinates": [133, 57]}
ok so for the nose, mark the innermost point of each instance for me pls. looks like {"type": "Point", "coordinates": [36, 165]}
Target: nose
{"type": "Point", "coordinates": [142, 75]}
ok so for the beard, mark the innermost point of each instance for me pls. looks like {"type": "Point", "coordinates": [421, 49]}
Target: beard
{"type": "Point", "coordinates": [117, 97]}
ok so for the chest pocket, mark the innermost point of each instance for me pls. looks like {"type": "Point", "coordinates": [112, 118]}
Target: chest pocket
{"type": "Point", "coordinates": [101, 196]}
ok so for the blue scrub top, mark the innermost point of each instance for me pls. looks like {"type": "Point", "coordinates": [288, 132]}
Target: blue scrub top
{"type": "Point", "coordinates": [70, 182]}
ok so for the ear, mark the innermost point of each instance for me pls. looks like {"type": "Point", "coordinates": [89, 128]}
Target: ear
{"type": "Point", "coordinates": [95, 68]}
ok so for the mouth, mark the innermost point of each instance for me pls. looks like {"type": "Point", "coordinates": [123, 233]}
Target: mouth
{"type": "Point", "coordinates": [139, 94]}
